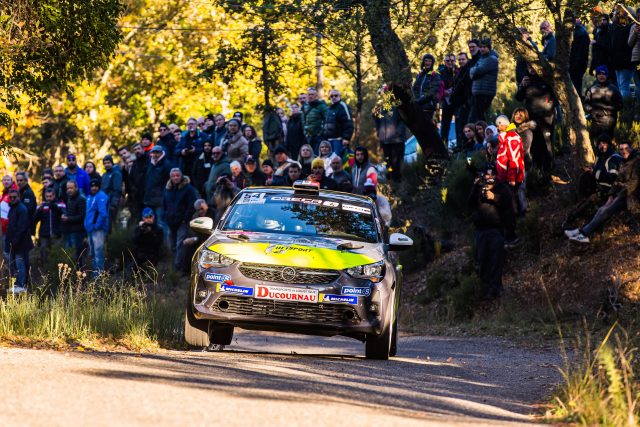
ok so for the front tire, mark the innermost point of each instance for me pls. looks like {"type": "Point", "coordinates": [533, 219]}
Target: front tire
{"type": "Point", "coordinates": [196, 331]}
{"type": "Point", "coordinates": [378, 347]}
{"type": "Point", "coordinates": [394, 339]}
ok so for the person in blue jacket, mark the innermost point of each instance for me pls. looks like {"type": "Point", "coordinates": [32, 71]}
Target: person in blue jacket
{"type": "Point", "coordinates": [96, 223]}
{"type": "Point", "coordinates": [77, 174]}
{"type": "Point", "coordinates": [17, 241]}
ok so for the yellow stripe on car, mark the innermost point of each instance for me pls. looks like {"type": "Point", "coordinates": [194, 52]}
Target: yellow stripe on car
{"type": "Point", "coordinates": [291, 255]}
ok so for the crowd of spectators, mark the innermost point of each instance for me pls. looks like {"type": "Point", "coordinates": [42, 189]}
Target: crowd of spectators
{"type": "Point", "coordinates": [162, 182]}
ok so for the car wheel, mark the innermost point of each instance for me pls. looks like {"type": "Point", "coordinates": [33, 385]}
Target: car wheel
{"type": "Point", "coordinates": [196, 331]}
{"type": "Point", "coordinates": [378, 347]}
{"type": "Point", "coordinates": [394, 338]}
{"type": "Point", "coordinates": [219, 334]}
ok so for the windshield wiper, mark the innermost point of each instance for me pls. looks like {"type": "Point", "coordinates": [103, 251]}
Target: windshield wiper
{"type": "Point", "coordinates": [348, 245]}
{"type": "Point", "coordinates": [238, 236]}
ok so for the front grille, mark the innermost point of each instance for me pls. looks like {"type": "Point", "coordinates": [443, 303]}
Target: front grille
{"type": "Point", "coordinates": [273, 273]}
{"type": "Point", "coordinates": [294, 310]}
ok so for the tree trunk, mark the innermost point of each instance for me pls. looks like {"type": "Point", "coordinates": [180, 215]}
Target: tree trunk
{"type": "Point", "coordinates": [265, 79]}
{"type": "Point", "coordinates": [359, 100]}
{"type": "Point", "coordinates": [396, 71]}
{"type": "Point", "coordinates": [319, 66]}
{"type": "Point", "coordinates": [574, 120]}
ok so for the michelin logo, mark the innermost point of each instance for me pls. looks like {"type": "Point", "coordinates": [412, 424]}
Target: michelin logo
{"type": "Point", "coordinates": [348, 290]}
{"type": "Point", "coordinates": [214, 277]}
{"type": "Point", "coordinates": [339, 298]}
{"type": "Point", "coordinates": [238, 290]}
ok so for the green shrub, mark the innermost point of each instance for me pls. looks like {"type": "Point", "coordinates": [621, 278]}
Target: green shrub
{"type": "Point", "coordinates": [457, 186]}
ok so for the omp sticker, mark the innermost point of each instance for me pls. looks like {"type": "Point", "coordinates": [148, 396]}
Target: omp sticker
{"type": "Point", "coordinates": [338, 298]}
{"type": "Point", "coordinates": [238, 290]}
{"type": "Point", "coordinates": [252, 199]}
{"type": "Point", "coordinates": [358, 209]}
{"type": "Point", "coordinates": [280, 293]}
{"type": "Point", "coordinates": [348, 290]}
{"type": "Point", "coordinates": [215, 277]}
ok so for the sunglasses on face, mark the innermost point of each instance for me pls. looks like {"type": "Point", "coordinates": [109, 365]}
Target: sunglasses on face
{"type": "Point", "coordinates": [334, 96]}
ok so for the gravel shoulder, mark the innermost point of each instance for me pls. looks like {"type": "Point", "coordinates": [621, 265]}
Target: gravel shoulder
{"type": "Point", "coordinates": [267, 379]}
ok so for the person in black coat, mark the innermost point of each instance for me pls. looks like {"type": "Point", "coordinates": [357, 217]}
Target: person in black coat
{"type": "Point", "coordinates": [295, 132]}
{"type": "Point", "coordinates": [17, 241]}
{"type": "Point", "coordinates": [603, 102]}
{"type": "Point", "coordinates": [136, 181]}
{"type": "Point", "coordinates": [253, 176]}
{"type": "Point", "coordinates": [579, 56]}
{"type": "Point", "coordinates": [72, 219]}
{"type": "Point", "coordinates": [492, 206]}
{"type": "Point", "coordinates": [202, 168]}
{"type": "Point", "coordinates": [155, 180]}
{"type": "Point", "coordinates": [111, 185]}
{"type": "Point", "coordinates": [147, 240]}
{"type": "Point", "coordinates": [255, 143]}
{"type": "Point", "coordinates": [392, 133]}
{"type": "Point", "coordinates": [60, 182]}
{"type": "Point", "coordinates": [27, 196]}
{"type": "Point", "coordinates": [540, 102]}
{"type": "Point", "coordinates": [168, 141]}
{"type": "Point", "coordinates": [318, 175]}
{"type": "Point", "coordinates": [189, 147]}
{"type": "Point", "coordinates": [178, 199]}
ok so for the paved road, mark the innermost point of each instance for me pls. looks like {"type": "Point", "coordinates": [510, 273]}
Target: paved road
{"type": "Point", "coordinates": [265, 380]}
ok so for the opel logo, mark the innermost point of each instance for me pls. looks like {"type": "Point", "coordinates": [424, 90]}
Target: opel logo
{"type": "Point", "coordinates": [288, 274]}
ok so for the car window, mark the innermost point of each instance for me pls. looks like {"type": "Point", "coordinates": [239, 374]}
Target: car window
{"type": "Point", "coordinates": [306, 216]}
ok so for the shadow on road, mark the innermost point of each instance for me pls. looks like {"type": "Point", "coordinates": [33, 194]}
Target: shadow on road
{"type": "Point", "coordinates": [461, 377]}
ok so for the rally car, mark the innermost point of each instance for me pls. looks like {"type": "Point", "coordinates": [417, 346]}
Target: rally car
{"type": "Point", "coordinates": [297, 259]}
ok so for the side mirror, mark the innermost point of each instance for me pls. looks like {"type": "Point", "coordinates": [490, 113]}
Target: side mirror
{"type": "Point", "coordinates": [399, 242]}
{"type": "Point", "coordinates": [203, 225]}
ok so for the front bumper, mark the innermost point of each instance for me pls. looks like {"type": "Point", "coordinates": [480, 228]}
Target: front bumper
{"type": "Point", "coordinates": [343, 306]}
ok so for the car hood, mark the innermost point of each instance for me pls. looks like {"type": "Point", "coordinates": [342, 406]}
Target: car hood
{"type": "Point", "coordinates": [295, 251]}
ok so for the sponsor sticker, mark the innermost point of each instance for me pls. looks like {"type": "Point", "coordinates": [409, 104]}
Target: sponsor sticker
{"type": "Point", "coordinates": [281, 293]}
{"type": "Point", "coordinates": [215, 277]}
{"type": "Point", "coordinates": [253, 199]}
{"type": "Point", "coordinates": [280, 249]}
{"type": "Point", "coordinates": [349, 290]}
{"type": "Point", "coordinates": [338, 298]}
{"type": "Point", "coordinates": [238, 290]}
{"type": "Point", "coordinates": [358, 209]}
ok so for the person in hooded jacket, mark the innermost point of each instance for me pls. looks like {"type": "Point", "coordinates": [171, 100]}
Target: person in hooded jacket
{"type": "Point", "coordinates": [96, 224]}
{"type": "Point", "coordinates": [235, 145]}
{"type": "Point", "coordinates": [595, 182]}
{"type": "Point", "coordinates": [178, 199]}
{"type": "Point", "coordinates": [603, 102]}
{"type": "Point", "coordinates": [428, 87]}
{"type": "Point", "coordinates": [362, 170]}
{"type": "Point", "coordinates": [484, 77]}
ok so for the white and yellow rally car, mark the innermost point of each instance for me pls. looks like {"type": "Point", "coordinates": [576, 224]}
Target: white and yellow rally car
{"type": "Point", "coordinates": [299, 260]}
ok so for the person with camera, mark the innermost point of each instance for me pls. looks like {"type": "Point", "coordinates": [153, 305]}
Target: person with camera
{"type": "Point", "coordinates": [491, 204]}
{"type": "Point", "coordinates": [223, 194]}
{"type": "Point", "coordinates": [147, 239]}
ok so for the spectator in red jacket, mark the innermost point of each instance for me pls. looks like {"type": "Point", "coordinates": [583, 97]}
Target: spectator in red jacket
{"type": "Point", "coordinates": [510, 168]}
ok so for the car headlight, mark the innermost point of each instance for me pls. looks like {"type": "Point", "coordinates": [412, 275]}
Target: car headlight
{"type": "Point", "coordinates": [213, 259]}
{"type": "Point", "coordinates": [373, 272]}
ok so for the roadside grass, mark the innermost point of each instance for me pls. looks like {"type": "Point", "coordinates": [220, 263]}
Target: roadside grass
{"type": "Point", "coordinates": [600, 383]}
{"type": "Point", "coordinates": [94, 313]}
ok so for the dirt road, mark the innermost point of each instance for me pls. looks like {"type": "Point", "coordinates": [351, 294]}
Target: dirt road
{"type": "Point", "coordinates": [264, 380]}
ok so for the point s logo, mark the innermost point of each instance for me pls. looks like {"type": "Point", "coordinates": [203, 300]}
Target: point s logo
{"type": "Point", "coordinates": [286, 294]}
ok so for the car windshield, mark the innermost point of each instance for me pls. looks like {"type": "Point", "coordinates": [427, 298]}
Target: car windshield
{"type": "Point", "coordinates": [305, 216]}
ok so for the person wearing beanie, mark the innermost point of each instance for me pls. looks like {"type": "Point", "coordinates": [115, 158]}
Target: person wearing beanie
{"type": "Point", "coordinates": [267, 170]}
{"type": "Point", "coordinates": [318, 175]}
{"type": "Point", "coordinates": [362, 170]}
{"type": "Point", "coordinates": [428, 88]}
{"type": "Point", "coordinates": [603, 102]}
{"type": "Point", "coordinates": [510, 170]}
{"type": "Point", "coordinates": [111, 185]}
{"type": "Point", "coordinates": [484, 77]}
